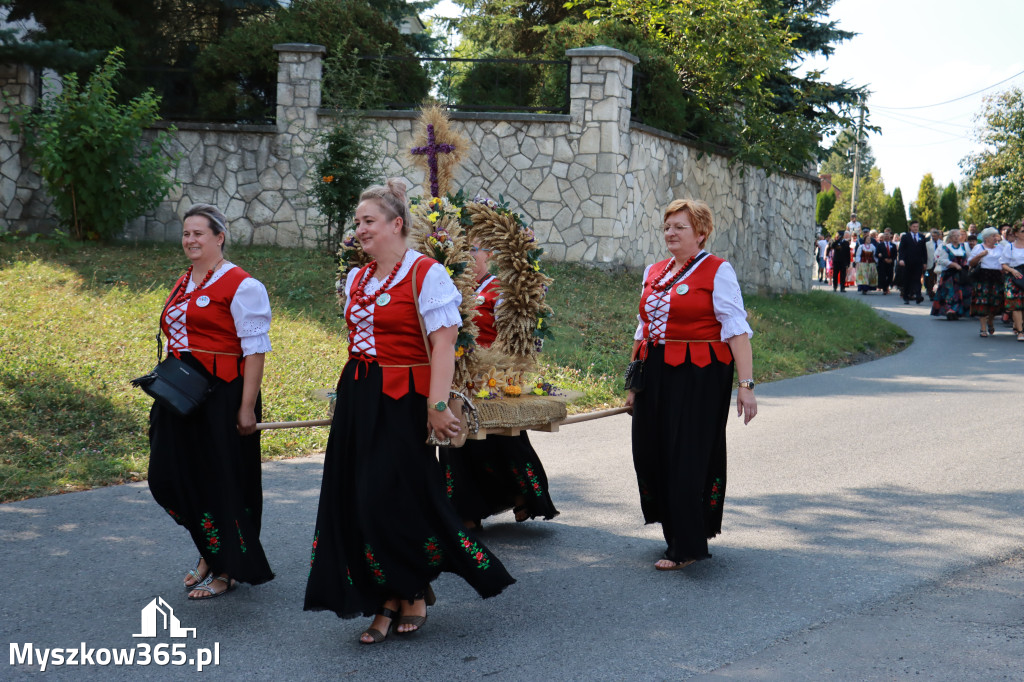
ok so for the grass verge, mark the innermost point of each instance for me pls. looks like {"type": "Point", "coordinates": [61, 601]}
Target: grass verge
{"type": "Point", "coordinates": [76, 323]}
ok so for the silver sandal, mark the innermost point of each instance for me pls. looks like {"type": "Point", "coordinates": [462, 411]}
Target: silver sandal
{"type": "Point", "coordinates": [194, 573]}
{"type": "Point", "coordinates": [205, 586]}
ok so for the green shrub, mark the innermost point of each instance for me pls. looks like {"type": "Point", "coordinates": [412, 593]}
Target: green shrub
{"type": "Point", "coordinates": [348, 159]}
{"type": "Point", "coordinates": [93, 154]}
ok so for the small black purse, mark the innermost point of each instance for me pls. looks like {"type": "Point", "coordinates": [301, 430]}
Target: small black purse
{"type": "Point", "coordinates": [635, 376]}
{"type": "Point", "coordinates": [176, 385]}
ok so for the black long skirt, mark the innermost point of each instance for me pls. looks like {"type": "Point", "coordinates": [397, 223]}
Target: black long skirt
{"type": "Point", "coordinates": [489, 476]}
{"type": "Point", "coordinates": [679, 451]}
{"type": "Point", "coordinates": [208, 479]}
{"type": "Point", "coordinates": [385, 527]}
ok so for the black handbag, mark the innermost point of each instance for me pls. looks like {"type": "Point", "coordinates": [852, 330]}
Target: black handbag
{"type": "Point", "coordinates": [635, 376]}
{"type": "Point", "coordinates": [176, 385]}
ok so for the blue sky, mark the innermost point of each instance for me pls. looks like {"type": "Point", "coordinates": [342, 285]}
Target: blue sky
{"type": "Point", "coordinates": [915, 54]}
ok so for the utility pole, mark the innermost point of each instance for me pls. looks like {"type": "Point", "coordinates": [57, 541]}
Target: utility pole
{"type": "Point", "coordinates": [856, 159]}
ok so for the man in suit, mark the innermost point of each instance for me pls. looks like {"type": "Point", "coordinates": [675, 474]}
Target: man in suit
{"type": "Point", "coordinates": [840, 248]}
{"type": "Point", "coordinates": [886, 261]}
{"type": "Point", "coordinates": [912, 255]}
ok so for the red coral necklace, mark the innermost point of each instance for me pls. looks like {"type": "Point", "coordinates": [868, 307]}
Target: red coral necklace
{"type": "Point", "coordinates": [660, 286]}
{"type": "Point", "coordinates": [360, 296]}
{"type": "Point", "coordinates": [182, 296]}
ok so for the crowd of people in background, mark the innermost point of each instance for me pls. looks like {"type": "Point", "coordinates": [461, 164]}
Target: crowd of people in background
{"type": "Point", "coordinates": [963, 272]}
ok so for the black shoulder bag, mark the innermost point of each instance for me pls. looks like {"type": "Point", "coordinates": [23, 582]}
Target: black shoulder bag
{"type": "Point", "coordinates": [173, 383]}
{"type": "Point", "coordinates": [634, 377]}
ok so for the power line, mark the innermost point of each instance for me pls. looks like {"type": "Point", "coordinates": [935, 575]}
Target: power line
{"type": "Point", "coordinates": [956, 99]}
{"type": "Point", "coordinates": [947, 122]}
{"type": "Point", "coordinates": [957, 135]}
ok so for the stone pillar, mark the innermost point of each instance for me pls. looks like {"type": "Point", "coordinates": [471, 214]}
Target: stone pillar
{"type": "Point", "coordinates": [299, 73]}
{"type": "Point", "coordinates": [23, 204]}
{"type": "Point", "coordinates": [601, 94]}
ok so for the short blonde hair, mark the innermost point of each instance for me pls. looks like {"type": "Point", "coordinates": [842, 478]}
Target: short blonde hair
{"type": "Point", "coordinates": [391, 197]}
{"type": "Point", "coordinates": [700, 216]}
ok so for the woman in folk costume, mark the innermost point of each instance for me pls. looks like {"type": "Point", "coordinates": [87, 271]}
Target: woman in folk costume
{"type": "Point", "coordinates": [693, 332]}
{"type": "Point", "coordinates": [204, 468]}
{"type": "Point", "coordinates": [987, 295]}
{"type": "Point", "coordinates": [1012, 262]}
{"type": "Point", "coordinates": [385, 528]}
{"type": "Point", "coordinates": [487, 477]}
{"type": "Point", "coordinates": [866, 258]}
{"type": "Point", "coordinates": [953, 292]}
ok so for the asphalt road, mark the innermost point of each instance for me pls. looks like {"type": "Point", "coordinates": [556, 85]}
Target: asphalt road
{"type": "Point", "coordinates": [874, 530]}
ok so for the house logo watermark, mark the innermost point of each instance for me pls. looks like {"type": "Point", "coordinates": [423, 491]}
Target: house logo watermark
{"type": "Point", "coordinates": [157, 619]}
{"type": "Point", "coordinates": [157, 615]}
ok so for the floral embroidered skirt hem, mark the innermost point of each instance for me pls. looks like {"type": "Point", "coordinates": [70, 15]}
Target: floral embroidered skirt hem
{"type": "Point", "coordinates": [208, 479]}
{"type": "Point", "coordinates": [987, 297]}
{"type": "Point", "coordinates": [679, 451]}
{"type": "Point", "coordinates": [385, 527]}
{"type": "Point", "coordinates": [1013, 296]}
{"type": "Point", "coordinates": [951, 296]}
{"type": "Point", "coordinates": [489, 476]}
{"type": "Point", "coordinates": [867, 277]}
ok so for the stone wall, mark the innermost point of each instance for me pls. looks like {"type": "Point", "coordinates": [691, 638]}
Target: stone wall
{"type": "Point", "coordinates": [24, 206]}
{"type": "Point", "coordinates": [591, 183]}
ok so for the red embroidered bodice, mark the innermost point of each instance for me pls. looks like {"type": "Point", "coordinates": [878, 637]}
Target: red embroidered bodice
{"type": "Point", "coordinates": [685, 322]}
{"type": "Point", "coordinates": [210, 328]}
{"type": "Point", "coordinates": [391, 334]}
{"type": "Point", "coordinates": [486, 296]}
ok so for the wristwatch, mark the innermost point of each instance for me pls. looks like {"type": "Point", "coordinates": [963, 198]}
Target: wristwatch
{"type": "Point", "coordinates": [440, 406]}
{"type": "Point", "coordinates": [747, 383]}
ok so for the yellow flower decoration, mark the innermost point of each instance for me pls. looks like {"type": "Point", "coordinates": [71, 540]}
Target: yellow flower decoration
{"type": "Point", "coordinates": [538, 391]}
{"type": "Point", "coordinates": [451, 273]}
{"type": "Point", "coordinates": [433, 217]}
{"type": "Point", "coordinates": [483, 393]}
{"type": "Point", "coordinates": [460, 351]}
{"type": "Point", "coordinates": [513, 391]}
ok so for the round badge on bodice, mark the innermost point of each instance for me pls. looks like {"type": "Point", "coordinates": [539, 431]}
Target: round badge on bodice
{"type": "Point", "coordinates": [682, 289]}
{"type": "Point", "coordinates": [384, 299]}
{"type": "Point", "coordinates": [203, 301]}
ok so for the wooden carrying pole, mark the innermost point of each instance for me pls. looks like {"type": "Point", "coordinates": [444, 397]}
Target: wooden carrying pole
{"type": "Point", "coordinates": [575, 419]}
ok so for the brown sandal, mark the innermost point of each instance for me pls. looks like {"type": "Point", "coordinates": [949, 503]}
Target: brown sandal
{"type": "Point", "coordinates": [419, 621]}
{"type": "Point", "coordinates": [376, 635]}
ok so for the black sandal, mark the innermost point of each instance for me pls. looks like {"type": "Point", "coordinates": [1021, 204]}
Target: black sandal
{"type": "Point", "coordinates": [376, 635]}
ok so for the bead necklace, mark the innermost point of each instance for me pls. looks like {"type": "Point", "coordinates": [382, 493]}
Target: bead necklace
{"type": "Point", "coordinates": [360, 296]}
{"type": "Point", "coordinates": [660, 286]}
{"type": "Point", "coordinates": [182, 296]}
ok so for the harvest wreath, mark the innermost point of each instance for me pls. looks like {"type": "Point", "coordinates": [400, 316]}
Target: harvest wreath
{"type": "Point", "coordinates": [445, 225]}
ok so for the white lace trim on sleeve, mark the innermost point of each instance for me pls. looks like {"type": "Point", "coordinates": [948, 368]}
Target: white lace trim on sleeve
{"type": "Point", "coordinates": [250, 309]}
{"type": "Point", "coordinates": [728, 302]}
{"type": "Point", "coordinates": [439, 300]}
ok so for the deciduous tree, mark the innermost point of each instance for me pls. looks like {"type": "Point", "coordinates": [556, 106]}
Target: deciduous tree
{"type": "Point", "coordinates": [997, 172]}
